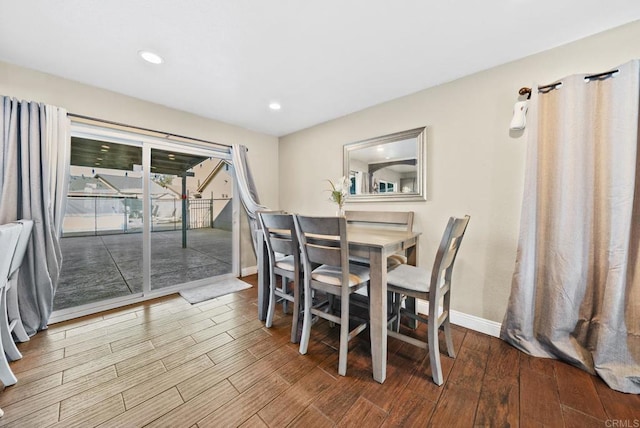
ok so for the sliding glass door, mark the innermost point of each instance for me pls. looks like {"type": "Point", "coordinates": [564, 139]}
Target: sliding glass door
{"type": "Point", "coordinates": [145, 217]}
{"type": "Point", "coordinates": [191, 218]}
{"type": "Point", "coordinates": [101, 241]}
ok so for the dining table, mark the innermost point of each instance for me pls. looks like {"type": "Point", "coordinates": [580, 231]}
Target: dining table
{"type": "Point", "coordinates": [374, 244]}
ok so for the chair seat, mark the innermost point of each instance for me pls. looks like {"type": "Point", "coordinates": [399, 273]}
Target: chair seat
{"type": "Point", "coordinates": [410, 278]}
{"type": "Point", "coordinates": [286, 263]}
{"type": "Point", "coordinates": [333, 275]}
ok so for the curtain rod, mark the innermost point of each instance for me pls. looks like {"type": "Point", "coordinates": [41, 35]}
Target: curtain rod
{"type": "Point", "coordinates": [527, 91]}
{"type": "Point", "coordinates": [124, 125]}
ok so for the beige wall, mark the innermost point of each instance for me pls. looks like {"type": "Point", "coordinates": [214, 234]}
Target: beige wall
{"type": "Point", "coordinates": [474, 165]}
{"type": "Point", "coordinates": [91, 101]}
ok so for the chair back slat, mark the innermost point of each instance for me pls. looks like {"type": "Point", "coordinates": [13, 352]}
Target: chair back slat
{"type": "Point", "coordinates": [276, 220]}
{"type": "Point", "coordinates": [317, 240]}
{"type": "Point", "coordinates": [397, 219]}
{"type": "Point", "coordinates": [279, 234]}
{"type": "Point", "coordinates": [324, 255]}
{"type": "Point", "coordinates": [320, 226]}
{"type": "Point", "coordinates": [447, 252]}
{"type": "Point", "coordinates": [283, 244]}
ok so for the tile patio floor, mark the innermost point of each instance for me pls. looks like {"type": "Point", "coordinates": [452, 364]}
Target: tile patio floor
{"type": "Point", "coordinates": [96, 268]}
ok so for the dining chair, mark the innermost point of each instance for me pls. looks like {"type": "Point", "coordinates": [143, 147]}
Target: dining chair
{"type": "Point", "coordinates": [434, 287]}
{"type": "Point", "coordinates": [397, 220]}
{"type": "Point", "coordinates": [9, 235]}
{"type": "Point", "coordinates": [323, 241]}
{"type": "Point", "coordinates": [13, 310]}
{"type": "Point", "coordinates": [284, 261]}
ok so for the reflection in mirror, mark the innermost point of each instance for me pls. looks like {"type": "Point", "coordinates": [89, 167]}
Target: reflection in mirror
{"type": "Point", "coordinates": [386, 168]}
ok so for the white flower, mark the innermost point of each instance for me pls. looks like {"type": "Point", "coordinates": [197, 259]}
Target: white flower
{"type": "Point", "coordinates": [339, 190]}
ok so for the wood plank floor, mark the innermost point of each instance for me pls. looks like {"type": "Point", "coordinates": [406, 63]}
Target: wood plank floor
{"type": "Point", "coordinates": [166, 363]}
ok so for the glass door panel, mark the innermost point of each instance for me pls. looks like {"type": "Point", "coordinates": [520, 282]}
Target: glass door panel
{"type": "Point", "coordinates": [102, 240]}
{"type": "Point", "coordinates": [190, 218]}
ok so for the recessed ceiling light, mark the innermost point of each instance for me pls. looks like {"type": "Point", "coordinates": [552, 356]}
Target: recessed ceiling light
{"type": "Point", "coordinates": [104, 146]}
{"type": "Point", "coordinates": [104, 150]}
{"type": "Point", "coordinates": [380, 148]}
{"type": "Point", "coordinates": [151, 57]}
{"type": "Point", "coordinates": [275, 106]}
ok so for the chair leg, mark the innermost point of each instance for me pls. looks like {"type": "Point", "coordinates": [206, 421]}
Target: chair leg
{"type": "Point", "coordinates": [6, 375]}
{"type": "Point", "coordinates": [14, 312]}
{"type": "Point", "coordinates": [344, 336]}
{"type": "Point", "coordinates": [410, 305]}
{"type": "Point", "coordinates": [447, 325]}
{"type": "Point", "coordinates": [296, 311]}
{"type": "Point", "coordinates": [306, 321]}
{"type": "Point", "coordinates": [397, 306]}
{"type": "Point", "coordinates": [272, 300]}
{"type": "Point", "coordinates": [434, 351]}
{"type": "Point", "coordinates": [447, 335]}
{"type": "Point", "coordinates": [331, 308]}
{"type": "Point", "coordinates": [285, 290]}
{"type": "Point", "coordinates": [8, 344]}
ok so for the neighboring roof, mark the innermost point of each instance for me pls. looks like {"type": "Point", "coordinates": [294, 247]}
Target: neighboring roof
{"type": "Point", "coordinates": [115, 185]}
{"type": "Point", "coordinates": [80, 184]}
{"type": "Point", "coordinates": [216, 169]}
{"type": "Point", "coordinates": [134, 184]}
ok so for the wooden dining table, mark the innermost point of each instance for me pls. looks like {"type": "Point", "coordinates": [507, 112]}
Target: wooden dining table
{"type": "Point", "coordinates": [375, 244]}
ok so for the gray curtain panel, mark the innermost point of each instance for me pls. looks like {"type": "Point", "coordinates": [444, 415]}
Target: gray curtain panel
{"type": "Point", "coordinates": [576, 288]}
{"type": "Point", "coordinates": [30, 150]}
{"type": "Point", "coordinates": [248, 191]}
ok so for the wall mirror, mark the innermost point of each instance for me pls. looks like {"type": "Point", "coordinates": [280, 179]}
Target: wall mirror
{"type": "Point", "coordinates": [387, 168]}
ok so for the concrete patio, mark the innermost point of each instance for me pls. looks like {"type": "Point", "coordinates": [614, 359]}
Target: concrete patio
{"type": "Point", "coordinates": [96, 268]}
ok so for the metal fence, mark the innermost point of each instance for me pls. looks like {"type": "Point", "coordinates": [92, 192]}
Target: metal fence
{"type": "Point", "coordinates": [96, 215]}
{"type": "Point", "coordinates": [200, 212]}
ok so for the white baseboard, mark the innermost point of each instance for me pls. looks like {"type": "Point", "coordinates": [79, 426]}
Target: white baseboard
{"type": "Point", "coordinates": [250, 270]}
{"type": "Point", "coordinates": [481, 325]}
{"type": "Point", "coordinates": [472, 322]}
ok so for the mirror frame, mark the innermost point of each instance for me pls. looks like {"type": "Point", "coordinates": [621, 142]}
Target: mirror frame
{"type": "Point", "coordinates": [420, 195]}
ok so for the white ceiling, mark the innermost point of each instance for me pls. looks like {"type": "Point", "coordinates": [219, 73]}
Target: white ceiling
{"type": "Point", "coordinates": [321, 59]}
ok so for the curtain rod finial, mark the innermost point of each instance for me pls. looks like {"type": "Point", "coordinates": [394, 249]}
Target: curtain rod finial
{"type": "Point", "coordinates": [525, 91]}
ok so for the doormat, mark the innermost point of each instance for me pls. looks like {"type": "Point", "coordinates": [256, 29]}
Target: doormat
{"type": "Point", "coordinates": [211, 291]}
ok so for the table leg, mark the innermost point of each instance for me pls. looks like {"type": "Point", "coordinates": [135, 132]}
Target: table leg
{"type": "Point", "coordinates": [263, 276]}
{"type": "Point", "coordinates": [378, 313]}
{"type": "Point", "coordinates": [410, 302]}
